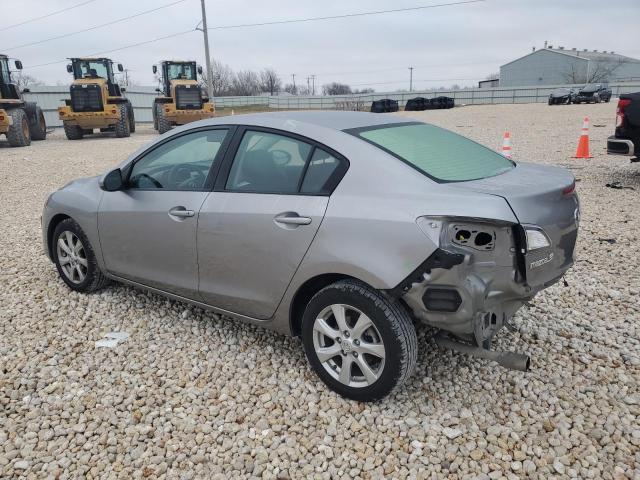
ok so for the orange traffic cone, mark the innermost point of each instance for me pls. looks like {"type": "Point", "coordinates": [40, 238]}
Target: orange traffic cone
{"type": "Point", "coordinates": [583, 143]}
{"type": "Point", "coordinates": [506, 145]}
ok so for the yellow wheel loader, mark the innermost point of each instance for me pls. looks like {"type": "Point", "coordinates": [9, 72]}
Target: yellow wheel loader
{"type": "Point", "coordinates": [181, 100]}
{"type": "Point", "coordinates": [20, 121]}
{"type": "Point", "coordinates": [97, 101]}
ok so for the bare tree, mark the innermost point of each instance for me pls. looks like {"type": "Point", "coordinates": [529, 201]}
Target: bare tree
{"type": "Point", "coordinates": [493, 76]}
{"type": "Point", "coordinates": [246, 82]}
{"type": "Point", "coordinates": [364, 90]}
{"type": "Point", "coordinates": [222, 78]}
{"type": "Point", "coordinates": [596, 71]}
{"type": "Point", "coordinates": [336, 88]}
{"type": "Point", "coordinates": [270, 81]}
{"type": "Point", "coordinates": [291, 88]}
{"type": "Point", "coordinates": [22, 80]}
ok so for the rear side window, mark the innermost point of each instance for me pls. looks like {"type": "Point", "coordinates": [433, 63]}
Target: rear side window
{"type": "Point", "coordinates": [321, 173]}
{"type": "Point", "coordinates": [438, 153]}
{"type": "Point", "coordinates": [268, 163]}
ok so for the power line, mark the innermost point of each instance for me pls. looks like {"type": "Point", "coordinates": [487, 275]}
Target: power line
{"type": "Point", "coordinates": [47, 15]}
{"type": "Point", "coordinates": [117, 49]}
{"type": "Point", "coordinates": [347, 15]}
{"type": "Point", "coordinates": [404, 81]}
{"type": "Point", "coordinates": [388, 69]}
{"type": "Point", "coordinates": [95, 27]}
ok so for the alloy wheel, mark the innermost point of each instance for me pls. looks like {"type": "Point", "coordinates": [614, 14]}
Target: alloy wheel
{"type": "Point", "coordinates": [72, 257]}
{"type": "Point", "coordinates": [348, 345]}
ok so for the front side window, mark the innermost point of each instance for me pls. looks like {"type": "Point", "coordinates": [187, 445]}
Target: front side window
{"type": "Point", "coordinates": [438, 153]}
{"type": "Point", "coordinates": [182, 71]}
{"type": "Point", "coordinates": [4, 70]}
{"type": "Point", "coordinates": [268, 163]}
{"type": "Point", "coordinates": [181, 164]}
{"type": "Point", "coordinates": [90, 69]}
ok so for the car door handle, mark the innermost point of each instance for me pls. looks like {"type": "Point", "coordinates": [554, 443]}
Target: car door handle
{"type": "Point", "coordinates": [292, 219]}
{"type": "Point", "coordinates": [181, 212]}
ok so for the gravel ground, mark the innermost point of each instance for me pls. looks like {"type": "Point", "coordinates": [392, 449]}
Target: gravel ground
{"type": "Point", "coordinates": [192, 395]}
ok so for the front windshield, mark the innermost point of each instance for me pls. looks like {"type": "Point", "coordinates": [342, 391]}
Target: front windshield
{"type": "Point", "coordinates": [181, 71]}
{"type": "Point", "coordinates": [91, 69]}
{"type": "Point", "coordinates": [4, 70]}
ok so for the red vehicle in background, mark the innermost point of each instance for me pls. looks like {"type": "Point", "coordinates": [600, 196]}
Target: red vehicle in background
{"type": "Point", "coordinates": [626, 140]}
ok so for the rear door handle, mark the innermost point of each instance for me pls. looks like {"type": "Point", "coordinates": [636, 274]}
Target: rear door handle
{"type": "Point", "coordinates": [292, 218]}
{"type": "Point", "coordinates": [181, 212]}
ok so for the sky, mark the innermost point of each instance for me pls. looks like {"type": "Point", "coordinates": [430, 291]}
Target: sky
{"type": "Point", "coordinates": [446, 45]}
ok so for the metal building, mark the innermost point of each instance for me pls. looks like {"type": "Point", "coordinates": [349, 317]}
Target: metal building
{"type": "Point", "coordinates": [558, 66]}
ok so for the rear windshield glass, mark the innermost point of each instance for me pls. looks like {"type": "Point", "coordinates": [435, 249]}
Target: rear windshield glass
{"type": "Point", "coordinates": [440, 154]}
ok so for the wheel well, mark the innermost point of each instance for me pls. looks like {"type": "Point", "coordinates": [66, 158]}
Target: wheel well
{"type": "Point", "coordinates": [306, 291]}
{"type": "Point", "coordinates": [50, 229]}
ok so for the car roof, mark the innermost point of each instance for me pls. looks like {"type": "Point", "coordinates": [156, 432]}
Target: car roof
{"type": "Point", "coordinates": [335, 120]}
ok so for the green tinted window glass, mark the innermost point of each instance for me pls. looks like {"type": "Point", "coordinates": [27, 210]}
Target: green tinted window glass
{"type": "Point", "coordinates": [439, 153]}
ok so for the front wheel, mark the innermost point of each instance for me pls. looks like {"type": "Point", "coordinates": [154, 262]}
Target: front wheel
{"type": "Point", "coordinates": [122, 128]}
{"type": "Point", "coordinates": [19, 134]}
{"type": "Point", "coordinates": [361, 343]}
{"type": "Point", "coordinates": [75, 259]}
{"type": "Point", "coordinates": [38, 126]}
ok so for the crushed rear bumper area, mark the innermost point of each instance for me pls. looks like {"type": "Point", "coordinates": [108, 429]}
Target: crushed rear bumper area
{"type": "Point", "coordinates": [620, 146]}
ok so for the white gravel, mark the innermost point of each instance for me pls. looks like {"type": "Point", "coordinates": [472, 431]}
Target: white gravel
{"type": "Point", "coordinates": [191, 395]}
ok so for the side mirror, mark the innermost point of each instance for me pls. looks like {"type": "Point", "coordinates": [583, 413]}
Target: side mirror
{"type": "Point", "coordinates": [18, 65]}
{"type": "Point", "coordinates": [123, 89]}
{"type": "Point", "coordinates": [26, 90]}
{"type": "Point", "coordinates": [158, 90]}
{"type": "Point", "coordinates": [120, 68]}
{"type": "Point", "coordinates": [155, 69]}
{"type": "Point", "coordinates": [112, 181]}
{"type": "Point", "coordinates": [200, 69]}
{"type": "Point", "coordinates": [69, 68]}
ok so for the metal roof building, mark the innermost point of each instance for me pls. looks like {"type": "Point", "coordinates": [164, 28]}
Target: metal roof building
{"type": "Point", "coordinates": [558, 66]}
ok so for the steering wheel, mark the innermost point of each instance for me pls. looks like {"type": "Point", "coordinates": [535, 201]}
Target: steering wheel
{"type": "Point", "coordinates": [280, 157]}
{"type": "Point", "coordinates": [186, 176]}
{"type": "Point", "coordinates": [155, 182]}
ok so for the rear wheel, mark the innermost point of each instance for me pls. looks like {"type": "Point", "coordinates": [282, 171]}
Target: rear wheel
{"type": "Point", "coordinates": [73, 132]}
{"type": "Point", "coordinates": [122, 127]}
{"type": "Point", "coordinates": [132, 119]}
{"type": "Point", "coordinates": [38, 126]}
{"type": "Point", "coordinates": [361, 343]}
{"type": "Point", "coordinates": [163, 124]}
{"type": "Point", "coordinates": [19, 134]}
{"type": "Point", "coordinates": [75, 259]}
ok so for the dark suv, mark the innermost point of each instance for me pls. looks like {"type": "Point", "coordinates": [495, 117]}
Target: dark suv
{"type": "Point", "coordinates": [593, 93]}
{"type": "Point", "coordinates": [626, 140]}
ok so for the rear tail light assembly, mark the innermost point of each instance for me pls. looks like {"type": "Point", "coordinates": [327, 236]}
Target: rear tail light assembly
{"type": "Point", "coordinates": [622, 104]}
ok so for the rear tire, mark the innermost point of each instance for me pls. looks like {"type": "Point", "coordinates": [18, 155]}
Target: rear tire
{"type": "Point", "coordinates": [75, 259]}
{"type": "Point", "coordinates": [132, 119]}
{"type": "Point", "coordinates": [73, 132]}
{"type": "Point", "coordinates": [122, 127]}
{"type": "Point", "coordinates": [19, 134]}
{"type": "Point", "coordinates": [38, 125]}
{"type": "Point", "coordinates": [163, 124]}
{"type": "Point", "coordinates": [376, 339]}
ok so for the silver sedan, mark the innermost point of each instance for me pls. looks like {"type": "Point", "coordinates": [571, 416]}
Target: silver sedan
{"type": "Point", "coordinates": [343, 228]}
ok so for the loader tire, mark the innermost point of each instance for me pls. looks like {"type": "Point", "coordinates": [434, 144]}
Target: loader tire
{"type": "Point", "coordinates": [132, 118]}
{"type": "Point", "coordinates": [122, 127]}
{"type": "Point", "coordinates": [163, 124]}
{"type": "Point", "coordinates": [19, 134]}
{"type": "Point", "coordinates": [38, 126]}
{"type": "Point", "coordinates": [73, 132]}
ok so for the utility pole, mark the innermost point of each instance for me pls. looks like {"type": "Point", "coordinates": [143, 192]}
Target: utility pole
{"type": "Point", "coordinates": [293, 79]}
{"type": "Point", "coordinates": [313, 84]}
{"type": "Point", "coordinates": [206, 52]}
{"type": "Point", "coordinates": [410, 79]}
{"type": "Point", "coordinates": [308, 85]}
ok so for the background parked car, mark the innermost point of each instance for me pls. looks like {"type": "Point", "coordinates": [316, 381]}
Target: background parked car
{"type": "Point", "coordinates": [562, 96]}
{"type": "Point", "coordinates": [626, 140]}
{"type": "Point", "coordinates": [593, 93]}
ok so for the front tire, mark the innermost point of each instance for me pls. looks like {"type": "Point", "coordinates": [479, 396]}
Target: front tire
{"type": "Point", "coordinates": [361, 343]}
{"type": "Point", "coordinates": [75, 259]}
{"type": "Point", "coordinates": [163, 124]}
{"type": "Point", "coordinates": [19, 134]}
{"type": "Point", "coordinates": [38, 126]}
{"type": "Point", "coordinates": [132, 119]}
{"type": "Point", "coordinates": [122, 127]}
{"type": "Point", "coordinates": [73, 132]}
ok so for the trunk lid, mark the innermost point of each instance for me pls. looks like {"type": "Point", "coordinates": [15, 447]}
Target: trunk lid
{"type": "Point", "coordinates": [538, 196]}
